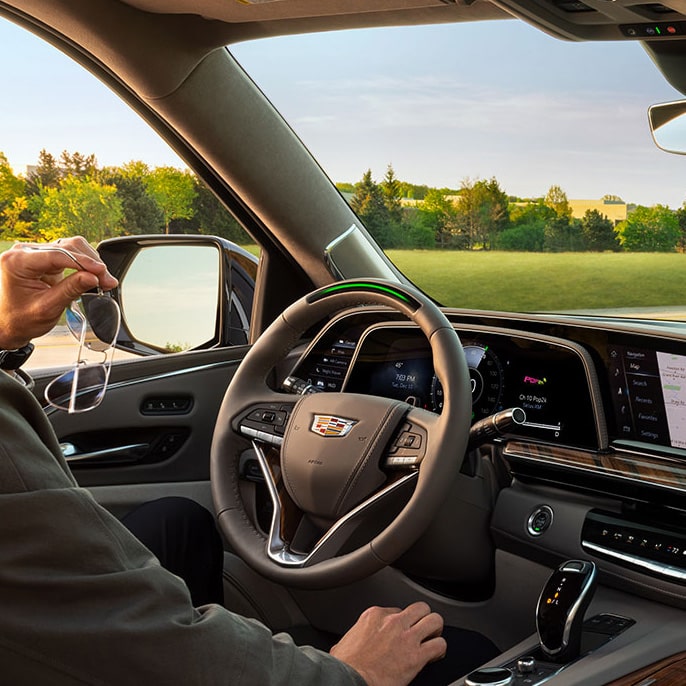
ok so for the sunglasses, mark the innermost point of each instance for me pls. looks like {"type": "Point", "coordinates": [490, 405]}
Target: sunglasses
{"type": "Point", "coordinates": [93, 320]}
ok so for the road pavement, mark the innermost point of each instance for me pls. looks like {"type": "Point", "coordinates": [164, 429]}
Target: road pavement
{"type": "Point", "coordinates": [59, 348]}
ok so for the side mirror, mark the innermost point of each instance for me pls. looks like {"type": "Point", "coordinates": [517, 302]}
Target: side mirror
{"type": "Point", "coordinates": [668, 126]}
{"type": "Point", "coordinates": [179, 292]}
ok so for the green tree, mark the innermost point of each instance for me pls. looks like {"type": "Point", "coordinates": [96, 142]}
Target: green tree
{"type": "Point", "coordinates": [528, 220]}
{"type": "Point", "coordinates": [412, 191]}
{"type": "Point", "coordinates": [15, 224]}
{"type": "Point", "coordinates": [482, 212]}
{"type": "Point", "coordinates": [79, 206]}
{"type": "Point", "coordinates": [370, 206]}
{"type": "Point", "coordinates": [213, 219]}
{"type": "Point", "coordinates": [345, 187]}
{"type": "Point", "coordinates": [392, 193]}
{"type": "Point", "coordinates": [46, 174]}
{"type": "Point", "coordinates": [556, 200]}
{"type": "Point", "coordinates": [563, 234]}
{"type": "Point", "coordinates": [78, 165]}
{"type": "Point", "coordinates": [11, 186]}
{"type": "Point", "coordinates": [681, 219]}
{"type": "Point", "coordinates": [174, 192]}
{"type": "Point", "coordinates": [522, 237]}
{"type": "Point", "coordinates": [140, 212]}
{"type": "Point", "coordinates": [416, 231]}
{"type": "Point", "coordinates": [598, 232]}
{"type": "Point", "coordinates": [649, 229]}
{"type": "Point", "coordinates": [439, 213]}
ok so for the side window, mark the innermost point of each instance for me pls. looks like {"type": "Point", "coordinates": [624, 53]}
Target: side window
{"type": "Point", "coordinates": [74, 159]}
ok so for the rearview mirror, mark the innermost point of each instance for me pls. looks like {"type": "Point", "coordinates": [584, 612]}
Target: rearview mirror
{"type": "Point", "coordinates": [668, 126]}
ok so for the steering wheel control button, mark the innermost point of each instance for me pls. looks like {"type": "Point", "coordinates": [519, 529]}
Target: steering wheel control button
{"type": "Point", "coordinates": [266, 423]}
{"type": "Point", "coordinates": [409, 440]}
{"type": "Point", "coordinates": [407, 449]}
{"type": "Point", "coordinates": [490, 676]}
{"type": "Point", "coordinates": [540, 520]}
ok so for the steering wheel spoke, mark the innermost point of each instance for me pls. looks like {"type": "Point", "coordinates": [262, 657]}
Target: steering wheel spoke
{"type": "Point", "coordinates": [308, 543]}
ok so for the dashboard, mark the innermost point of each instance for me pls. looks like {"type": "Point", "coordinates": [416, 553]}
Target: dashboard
{"type": "Point", "coordinates": [605, 406]}
{"type": "Point", "coordinates": [580, 386]}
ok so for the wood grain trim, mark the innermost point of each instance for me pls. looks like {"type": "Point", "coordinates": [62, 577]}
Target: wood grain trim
{"type": "Point", "coordinates": [645, 469]}
{"type": "Point", "coordinates": [668, 672]}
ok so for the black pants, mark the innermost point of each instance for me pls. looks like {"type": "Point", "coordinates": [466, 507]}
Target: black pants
{"type": "Point", "coordinates": [183, 536]}
{"type": "Point", "coordinates": [467, 650]}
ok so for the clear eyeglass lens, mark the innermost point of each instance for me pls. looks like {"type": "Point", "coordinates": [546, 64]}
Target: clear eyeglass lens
{"type": "Point", "coordinates": [80, 389]}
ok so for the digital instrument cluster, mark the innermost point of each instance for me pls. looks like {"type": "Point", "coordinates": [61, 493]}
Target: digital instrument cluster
{"type": "Point", "coordinates": [550, 382]}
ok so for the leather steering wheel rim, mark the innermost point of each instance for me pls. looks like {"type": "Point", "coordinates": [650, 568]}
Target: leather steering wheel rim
{"type": "Point", "coordinates": [446, 439]}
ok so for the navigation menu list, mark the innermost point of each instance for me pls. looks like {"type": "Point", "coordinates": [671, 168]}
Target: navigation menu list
{"type": "Point", "coordinates": [649, 395]}
{"type": "Point", "coordinates": [673, 378]}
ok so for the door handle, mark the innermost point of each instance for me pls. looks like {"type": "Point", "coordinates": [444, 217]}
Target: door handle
{"type": "Point", "coordinates": [122, 453]}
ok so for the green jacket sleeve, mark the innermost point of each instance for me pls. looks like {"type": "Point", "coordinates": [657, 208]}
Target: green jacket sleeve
{"type": "Point", "coordinates": [83, 602]}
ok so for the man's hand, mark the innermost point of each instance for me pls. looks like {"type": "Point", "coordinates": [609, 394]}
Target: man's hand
{"type": "Point", "coordinates": [34, 292]}
{"type": "Point", "coordinates": [389, 646]}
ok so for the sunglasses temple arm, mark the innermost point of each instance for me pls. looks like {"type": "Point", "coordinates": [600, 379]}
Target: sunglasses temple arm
{"type": "Point", "coordinates": [75, 380]}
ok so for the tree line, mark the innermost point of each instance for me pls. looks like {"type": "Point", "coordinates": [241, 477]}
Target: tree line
{"type": "Point", "coordinates": [72, 195]}
{"type": "Point", "coordinates": [69, 195]}
{"type": "Point", "coordinates": [480, 215]}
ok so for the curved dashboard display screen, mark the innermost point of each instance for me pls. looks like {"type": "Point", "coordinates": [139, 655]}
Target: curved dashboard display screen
{"type": "Point", "coordinates": [549, 382]}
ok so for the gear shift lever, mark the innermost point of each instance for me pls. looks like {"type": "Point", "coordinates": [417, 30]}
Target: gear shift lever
{"type": "Point", "coordinates": [561, 608]}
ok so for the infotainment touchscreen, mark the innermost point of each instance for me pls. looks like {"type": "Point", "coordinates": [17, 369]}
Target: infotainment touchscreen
{"type": "Point", "coordinates": [649, 392]}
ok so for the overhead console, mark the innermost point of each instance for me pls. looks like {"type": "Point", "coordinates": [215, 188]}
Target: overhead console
{"type": "Point", "coordinates": [602, 20]}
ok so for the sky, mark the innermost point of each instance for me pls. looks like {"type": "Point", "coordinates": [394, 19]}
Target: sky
{"type": "Point", "coordinates": [441, 104]}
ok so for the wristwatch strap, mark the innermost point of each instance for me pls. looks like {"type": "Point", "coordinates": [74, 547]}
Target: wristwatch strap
{"type": "Point", "coordinates": [13, 359]}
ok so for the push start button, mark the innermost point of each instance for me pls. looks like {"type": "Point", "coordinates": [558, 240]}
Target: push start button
{"type": "Point", "coordinates": [540, 520]}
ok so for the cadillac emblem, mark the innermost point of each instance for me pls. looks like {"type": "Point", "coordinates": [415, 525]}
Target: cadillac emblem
{"type": "Point", "coordinates": [329, 426]}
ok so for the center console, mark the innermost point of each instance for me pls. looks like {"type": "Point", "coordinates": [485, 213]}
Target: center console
{"type": "Point", "coordinates": [563, 635]}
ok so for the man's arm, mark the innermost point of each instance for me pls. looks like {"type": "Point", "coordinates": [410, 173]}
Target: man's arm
{"type": "Point", "coordinates": [100, 606]}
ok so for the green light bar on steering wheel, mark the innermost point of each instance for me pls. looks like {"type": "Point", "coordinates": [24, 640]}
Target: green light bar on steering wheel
{"type": "Point", "coordinates": [369, 286]}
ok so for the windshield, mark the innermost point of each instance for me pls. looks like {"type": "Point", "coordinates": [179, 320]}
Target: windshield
{"type": "Point", "coordinates": [499, 168]}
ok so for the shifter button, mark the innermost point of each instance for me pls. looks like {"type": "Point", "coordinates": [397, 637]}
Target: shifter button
{"type": "Point", "coordinates": [574, 566]}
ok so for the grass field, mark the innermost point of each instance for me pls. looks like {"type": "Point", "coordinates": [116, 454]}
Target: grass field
{"type": "Point", "coordinates": [547, 281]}
{"type": "Point", "coordinates": [544, 281]}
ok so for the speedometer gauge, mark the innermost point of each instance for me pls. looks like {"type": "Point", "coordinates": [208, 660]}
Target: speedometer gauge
{"type": "Point", "coordinates": [486, 376]}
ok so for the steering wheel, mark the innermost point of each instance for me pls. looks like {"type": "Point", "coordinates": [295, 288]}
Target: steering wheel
{"type": "Point", "coordinates": [354, 479]}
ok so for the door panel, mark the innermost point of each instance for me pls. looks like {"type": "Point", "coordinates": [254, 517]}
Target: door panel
{"type": "Point", "coordinates": [152, 433]}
